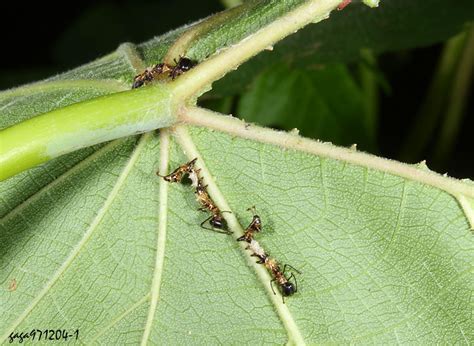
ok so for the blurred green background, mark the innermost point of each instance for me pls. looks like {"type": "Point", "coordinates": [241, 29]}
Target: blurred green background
{"type": "Point", "coordinates": [381, 101]}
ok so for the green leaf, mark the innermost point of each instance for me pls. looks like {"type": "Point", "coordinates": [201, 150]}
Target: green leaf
{"type": "Point", "coordinates": [94, 241]}
{"type": "Point", "coordinates": [394, 25]}
{"type": "Point", "coordinates": [326, 102]}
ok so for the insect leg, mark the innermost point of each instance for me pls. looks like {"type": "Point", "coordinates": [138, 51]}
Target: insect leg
{"type": "Point", "coordinates": [260, 259]}
{"type": "Point", "coordinates": [271, 285]}
{"type": "Point", "coordinates": [290, 266]}
{"type": "Point", "coordinates": [202, 223]}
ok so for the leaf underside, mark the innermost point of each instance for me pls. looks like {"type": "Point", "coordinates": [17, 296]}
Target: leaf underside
{"type": "Point", "coordinates": [384, 259]}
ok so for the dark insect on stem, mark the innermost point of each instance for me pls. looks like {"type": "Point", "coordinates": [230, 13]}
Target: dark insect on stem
{"type": "Point", "coordinates": [155, 72]}
{"type": "Point", "coordinates": [287, 288]}
{"type": "Point", "coordinates": [216, 220]}
{"type": "Point", "coordinates": [150, 74]}
{"type": "Point", "coordinates": [285, 285]}
{"type": "Point", "coordinates": [255, 226]}
{"type": "Point", "coordinates": [182, 65]}
{"type": "Point", "coordinates": [178, 174]}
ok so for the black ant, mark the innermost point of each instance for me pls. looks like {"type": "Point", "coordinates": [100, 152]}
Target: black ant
{"type": "Point", "coordinates": [152, 73]}
{"type": "Point", "coordinates": [182, 65]}
{"type": "Point", "coordinates": [286, 287]}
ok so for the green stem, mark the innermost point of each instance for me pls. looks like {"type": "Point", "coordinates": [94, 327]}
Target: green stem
{"type": "Point", "coordinates": [83, 124]}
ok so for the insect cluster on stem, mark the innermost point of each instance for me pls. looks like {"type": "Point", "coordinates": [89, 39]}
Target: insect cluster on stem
{"type": "Point", "coordinates": [163, 70]}
{"type": "Point", "coordinates": [285, 285]}
{"type": "Point", "coordinates": [218, 224]}
{"type": "Point", "coordinates": [216, 220]}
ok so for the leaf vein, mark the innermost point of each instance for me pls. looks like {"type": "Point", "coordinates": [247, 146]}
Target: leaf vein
{"type": "Point", "coordinates": [62, 177]}
{"type": "Point", "coordinates": [87, 235]}
{"type": "Point", "coordinates": [161, 237]}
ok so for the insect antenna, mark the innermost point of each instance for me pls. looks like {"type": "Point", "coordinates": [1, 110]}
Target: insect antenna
{"type": "Point", "coordinates": [252, 209]}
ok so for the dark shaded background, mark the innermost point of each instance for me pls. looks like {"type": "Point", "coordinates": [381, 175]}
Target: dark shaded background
{"type": "Point", "coordinates": [40, 41]}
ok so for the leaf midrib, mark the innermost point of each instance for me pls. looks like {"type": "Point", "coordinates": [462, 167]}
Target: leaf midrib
{"type": "Point", "coordinates": [187, 144]}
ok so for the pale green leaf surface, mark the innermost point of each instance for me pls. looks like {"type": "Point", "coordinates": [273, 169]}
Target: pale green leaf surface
{"type": "Point", "coordinates": [18, 188]}
{"type": "Point", "coordinates": [384, 259]}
